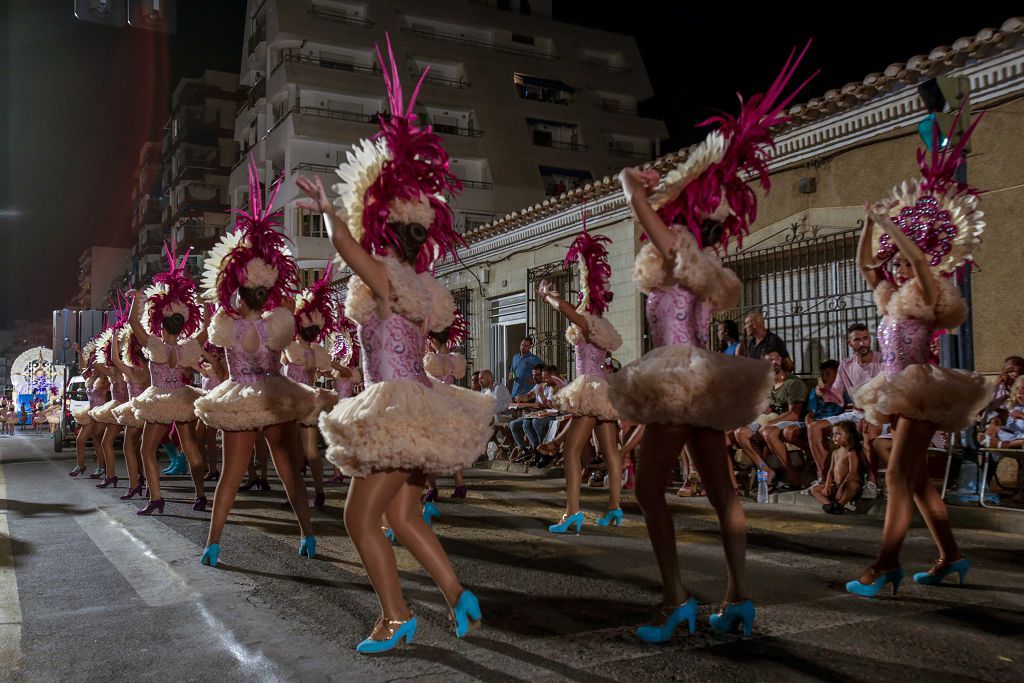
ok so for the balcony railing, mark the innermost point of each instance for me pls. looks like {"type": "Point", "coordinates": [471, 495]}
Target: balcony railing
{"type": "Point", "coordinates": [197, 234]}
{"type": "Point", "coordinates": [327, 61]}
{"type": "Point", "coordinates": [313, 168]}
{"type": "Point", "coordinates": [339, 114]}
{"type": "Point", "coordinates": [476, 184]}
{"type": "Point", "coordinates": [340, 17]}
{"type": "Point", "coordinates": [558, 144]}
{"type": "Point", "coordinates": [616, 107]}
{"type": "Point", "coordinates": [257, 92]}
{"type": "Point", "coordinates": [258, 36]}
{"type": "Point", "coordinates": [447, 129]}
{"type": "Point", "coordinates": [628, 153]}
{"type": "Point", "coordinates": [605, 66]}
{"type": "Point", "coordinates": [542, 94]}
{"type": "Point", "coordinates": [460, 83]}
{"type": "Point", "coordinates": [472, 42]}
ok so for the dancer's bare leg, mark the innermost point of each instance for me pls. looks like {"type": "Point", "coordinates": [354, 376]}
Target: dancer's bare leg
{"type": "Point", "coordinates": [936, 516]}
{"type": "Point", "coordinates": [109, 454]}
{"type": "Point", "coordinates": [279, 439]}
{"type": "Point", "coordinates": [659, 451]}
{"type": "Point", "coordinates": [307, 437]}
{"type": "Point", "coordinates": [196, 461]}
{"type": "Point", "coordinates": [132, 454]}
{"type": "Point", "coordinates": [237, 456]}
{"type": "Point", "coordinates": [575, 441]}
{"type": "Point", "coordinates": [85, 432]}
{"type": "Point", "coordinates": [608, 439]}
{"type": "Point", "coordinates": [152, 435]}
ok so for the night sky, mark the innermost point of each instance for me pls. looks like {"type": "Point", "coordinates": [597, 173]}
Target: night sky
{"type": "Point", "coordinates": [77, 100]}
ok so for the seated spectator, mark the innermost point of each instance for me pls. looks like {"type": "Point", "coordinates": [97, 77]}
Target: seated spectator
{"type": "Point", "coordinates": [498, 391]}
{"type": "Point", "coordinates": [531, 430]}
{"type": "Point", "coordinates": [1009, 433]}
{"type": "Point", "coordinates": [842, 485]}
{"type": "Point", "coordinates": [785, 404]}
{"type": "Point", "coordinates": [474, 381]}
{"type": "Point", "coordinates": [821, 405]}
{"type": "Point", "coordinates": [761, 341]}
{"type": "Point", "coordinates": [998, 407]}
{"type": "Point", "coordinates": [530, 397]}
{"type": "Point", "coordinates": [729, 339]}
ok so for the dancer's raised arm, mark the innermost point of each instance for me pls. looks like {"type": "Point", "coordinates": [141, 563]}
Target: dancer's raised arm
{"type": "Point", "coordinates": [638, 185]}
{"type": "Point", "coordinates": [910, 251]}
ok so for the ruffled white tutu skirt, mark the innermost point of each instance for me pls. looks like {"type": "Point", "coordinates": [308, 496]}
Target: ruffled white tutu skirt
{"type": "Point", "coordinates": [946, 397]}
{"type": "Point", "coordinates": [324, 401]}
{"type": "Point", "coordinates": [587, 396]}
{"type": "Point", "coordinates": [82, 416]}
{"type": "Point", "coordinates": [105, 412]}
{"type": "Point", "coordinates": [686, 385]}
{"type": "Point", "coordinates": [125, 416]}
{"type": "Point", "coordinates": [402, 424]}
{"type": "Point", "coordinates": [164, 406]}
{"type": "Point", "coordinates": [236, 407]}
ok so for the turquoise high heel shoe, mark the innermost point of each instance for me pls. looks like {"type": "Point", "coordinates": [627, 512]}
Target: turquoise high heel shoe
{"type": "Point", "coordinates": [388, 533]}
{"type": "Point", "coordinates": [307, 547]}
{"type": "Point", "coordinates": [937, 574]}
{"type": "Point", "coordinates": [611, 518]}
{"type": "Point", "coordinates": [210, 555]}
{"type": "Point", "coordinates": [567, 522]}
{"type": "Point", "coordinates": [870, 590]}
{"type": "Point", "coordinates": [731, 614]}
{"type": "Point", "coordinates": [686, 612]}
{"type": "Point", "coordinates": [430, 513]}
{"type": "Point", "coordinates": [400, 630]}
{"type": "Point", "coordinates": [466, 614]}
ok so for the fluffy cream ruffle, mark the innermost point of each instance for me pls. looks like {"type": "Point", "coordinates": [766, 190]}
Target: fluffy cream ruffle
{"type": "Point", "coordinates": [600, 333]}
{"type": "Point", "coordinates": [105, 413]}
{"type": "Point", "coordinates": [436, 364]}
{"type": "Point", "coordinates": [164, 406]}
{"type": "Point", "coordinates": [414, 296]}
{"type": "Point", "coordinates": [948, 398]}
{"type": "Point", "coordinates": [686, 385]}
{"type": "Point", "coordinates": [324, 401]}
{"type": "Point", "coordinates": [295, 354]}
{"type": "Point", "coordinates": [699, 270]}
{"type": "Point", "coordinates": [280, 328]}
{"type": "Point", "coordinates": [402, 424]}
{"type": "Point", "coordinates": [949, 310]}
{"type": "Point", "coordinates": [189, 352]}
{"type": "Point", "coordinates": [587, 395]}
{"type": "Point", "coordinates": [124, 414]}
{"type": "Point", "coordinates": [82, 416]}
{"type": "Point", "coordinates": [236, 407]}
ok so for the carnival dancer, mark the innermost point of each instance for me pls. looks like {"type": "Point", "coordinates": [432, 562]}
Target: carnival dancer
{"type": "Point", "coordinates": [251, 275]}
{"type": "Point", "coordinates": [403, 426]}
{"type": "Point", "coordinates": [96, 386]}
{"type": "Point", "coordinates": [103, 415]}
{"type": "Point", "coordinates": [930, 225]}
{"type": "Point", "coordinates": [346, 375]}
{"type": "Point", "coordinates": [682, 391]}
{"type": "Point", "coordinates": [214, 371]}
{"type": "Point", "coordinates": [306, 359]}
{"type": "Point", "coordinates": [127, 357]}
{"type": "Point", "coordinates": [172, 317]}
{"type": "Point", "coordinates": [443, 363]}
{"type": "Point", "coordinates": [586, 397]}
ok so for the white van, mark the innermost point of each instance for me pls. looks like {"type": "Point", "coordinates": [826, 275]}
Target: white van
{"type": "Point", "coordinates": [75, 398]}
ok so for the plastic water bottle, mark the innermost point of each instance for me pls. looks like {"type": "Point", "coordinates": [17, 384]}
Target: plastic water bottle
{"type": "Point", "coordinates": [762, 485]}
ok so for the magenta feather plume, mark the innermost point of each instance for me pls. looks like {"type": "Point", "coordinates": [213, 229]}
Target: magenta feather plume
{"type": "Point", "coordinates": [458, 331]}
{"type": "Point", "coordinates": [939, 167]}
{"type": "Point", "coordinates": [322, 298]}
{"type": "Point", "coordinates": [347, 342]}
{"type": "Point", "coordinates": [418, 167]}
{"type": "Point", "coordinates": [591, 250]}
{"type": "Point", "coordinates": [179, 288]}
{"type": "Point", "coordinates": [748, 141]}
{"type": "Point", "coordinates": [262, 240]}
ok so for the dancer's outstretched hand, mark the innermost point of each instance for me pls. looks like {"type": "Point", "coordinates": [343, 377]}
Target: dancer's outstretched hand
{"type": "Point", "coordinates": [549, 293]}
{"type": "Point", "coordinates": [636, 182]}
{"type": "Point", "coordinates": [316, 197]}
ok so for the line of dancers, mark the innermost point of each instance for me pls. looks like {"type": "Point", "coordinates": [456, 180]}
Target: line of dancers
{"type": "Point", "coordinates": [390, 224]}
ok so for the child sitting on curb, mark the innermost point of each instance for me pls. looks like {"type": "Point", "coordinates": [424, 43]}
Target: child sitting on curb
{"type": "Point", "coordinates": [842, 484]}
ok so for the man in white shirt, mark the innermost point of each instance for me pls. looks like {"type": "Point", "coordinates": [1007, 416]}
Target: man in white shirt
{"type": "Point", "coordinates": [501, 396]}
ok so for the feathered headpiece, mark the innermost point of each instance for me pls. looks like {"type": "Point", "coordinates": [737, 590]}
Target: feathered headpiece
{"type": "Point", "coordinates": [457, 332]}
{"type": "Point", "coordinates": [318, 305]}
{"type": "Point", "coordinates": [937, 211]}
{"type": "Point", "coordinates": [400, 175]}
{"type": "Point", "coordinates": [105, 341]}
{"type": "Point", "coordinates": [345, 347]}
{"type": "Point", "coordinates": [254, 255]}
{"type": "Point", "coordinates": [89, 355]}
{"type": "Point", "coordinates": [709, 183]}
{"type": "Point", "coordinates": [172, 292]}
{"type": "Point", "coordinates": [595, 272]}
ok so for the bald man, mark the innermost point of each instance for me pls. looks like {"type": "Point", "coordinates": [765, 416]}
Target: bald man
{"type": "Point", "coordinates": [760, 340]}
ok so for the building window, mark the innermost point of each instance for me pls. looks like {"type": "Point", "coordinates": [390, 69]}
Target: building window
{"type": "Point", "coordinates": [542, 89]}
{"type": "Point", "coordinates": [308, 276]}
{"type": "Point", "coordinates": [555, 134]}
{"type": "Point", "coordinates": [546, 326]}
{"type": "Point", "coordinates": [311, 224]}
{"type": "Point", "coordinates": [463, 301]}
{"type": "Point", "coordinates": [559, 180]}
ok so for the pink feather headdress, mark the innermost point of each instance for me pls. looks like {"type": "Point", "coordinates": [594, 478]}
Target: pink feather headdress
{"type": "Point", "coordinates": [254, 255]}
{"type": "Point", "coordinates": [345, 348]}
{"type": "Point", "coordinates": [318, 305]}
{"type": "Point", "coordinates": [709, 183]}
{"type": "Point", "coordinates": [172, 291]}
{"type": "Point", "coordinates": [936, 210]}
{"type": "Point", "coordinates": [595, 271]}
{"type": "Point", "coordinates": [458, 331]}
{"type": "Point", "coordinates": [400, 175]}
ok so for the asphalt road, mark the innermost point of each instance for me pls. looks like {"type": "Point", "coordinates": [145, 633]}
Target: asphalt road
{"type": "Point", "coordinates": [91, 592]}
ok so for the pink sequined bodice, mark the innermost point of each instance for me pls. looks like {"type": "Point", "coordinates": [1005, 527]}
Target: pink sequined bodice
{"type": "Point", "coordinates": [297, 372]}
{"type": "Point", "coordinates": [97, 396]}
{"type": "Point", "coordinates": [903, 342]}
{"type": "Point", "coordinates": [678, 317]}
{"type": "Point", "coordinates": [589, 359]}
{"type": "Point", "coordinates": [343, 387]}
{"type": "Point", "coordinates": [120, 392]}
{"type": "Point", "coordinates": [210, 383]}
{"type": "Point", "coordinates": [250, 368]}
{"type": "Point", "coordinates": [135, 389]}
{"type": "Point", "coordinates": [392, 349]}
{"type": "Point", "coordinates": [162, 375]}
